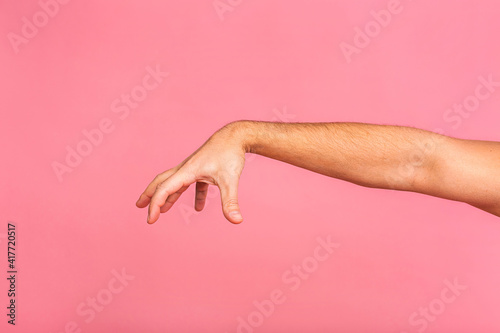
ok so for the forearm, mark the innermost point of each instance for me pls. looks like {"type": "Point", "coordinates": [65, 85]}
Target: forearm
{"type": "Point", "coordinates": [370, 155]}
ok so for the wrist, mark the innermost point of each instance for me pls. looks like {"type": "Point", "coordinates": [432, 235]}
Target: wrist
{"type": "Point", "coordinates": [242, 133]}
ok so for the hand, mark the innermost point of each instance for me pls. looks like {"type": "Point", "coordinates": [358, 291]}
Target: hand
{"type": "Point", "coordinates": [219, 161]}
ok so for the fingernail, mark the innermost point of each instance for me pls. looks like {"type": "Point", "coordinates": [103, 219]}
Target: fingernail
{"type": "Point", "coordinates": [235, 215]}
{"type": "Point", "coordinates": [148, 219]}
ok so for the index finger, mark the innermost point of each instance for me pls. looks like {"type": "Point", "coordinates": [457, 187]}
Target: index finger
{"type": "Point", "coordinates": [163, 190]}
{"type": "Point", "coordinates": [145, 197]}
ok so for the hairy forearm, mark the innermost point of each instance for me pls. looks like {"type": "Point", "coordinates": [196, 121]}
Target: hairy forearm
{"type": "Point", "coordinates": [383, 156]}
{"type": "Point", "coordinates": [379, 156]}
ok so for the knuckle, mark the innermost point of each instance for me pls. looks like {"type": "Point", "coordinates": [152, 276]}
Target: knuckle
{"type": "Point", "coordinates": [163, 175]}
{"type": "Point", "coordinates": [230, 203]}
{"type": "Point", "coordinates": [211, 168]}
{"type": "Point", "coordinates": [171, 199]}
{"type": "Point", "coordinates": [234, 167]}
{"type": "Point", "coordinates": [201, 188]}
{"type": "Point", "coordinates": [229, 186]}
{"type": "Point", "coordinates": [161, 186]}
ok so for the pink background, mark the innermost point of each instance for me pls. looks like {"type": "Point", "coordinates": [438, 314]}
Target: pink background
{"type": "Point", "coordinates": [197, 272]}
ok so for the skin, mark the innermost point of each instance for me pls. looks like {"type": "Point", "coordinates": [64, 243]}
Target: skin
{"type": "Point", "coordinates": [376, 156]}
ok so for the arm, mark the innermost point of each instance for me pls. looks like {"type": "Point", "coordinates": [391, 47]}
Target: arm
{"type": "Point", "coordinates": [379, 156]}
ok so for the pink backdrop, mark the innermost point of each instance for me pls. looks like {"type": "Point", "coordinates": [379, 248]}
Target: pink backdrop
{"type": "Point", "coordinates": [314, 254]}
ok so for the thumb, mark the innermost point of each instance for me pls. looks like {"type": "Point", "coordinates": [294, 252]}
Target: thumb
{"type": "Point", "coordinates": [229, 197]}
